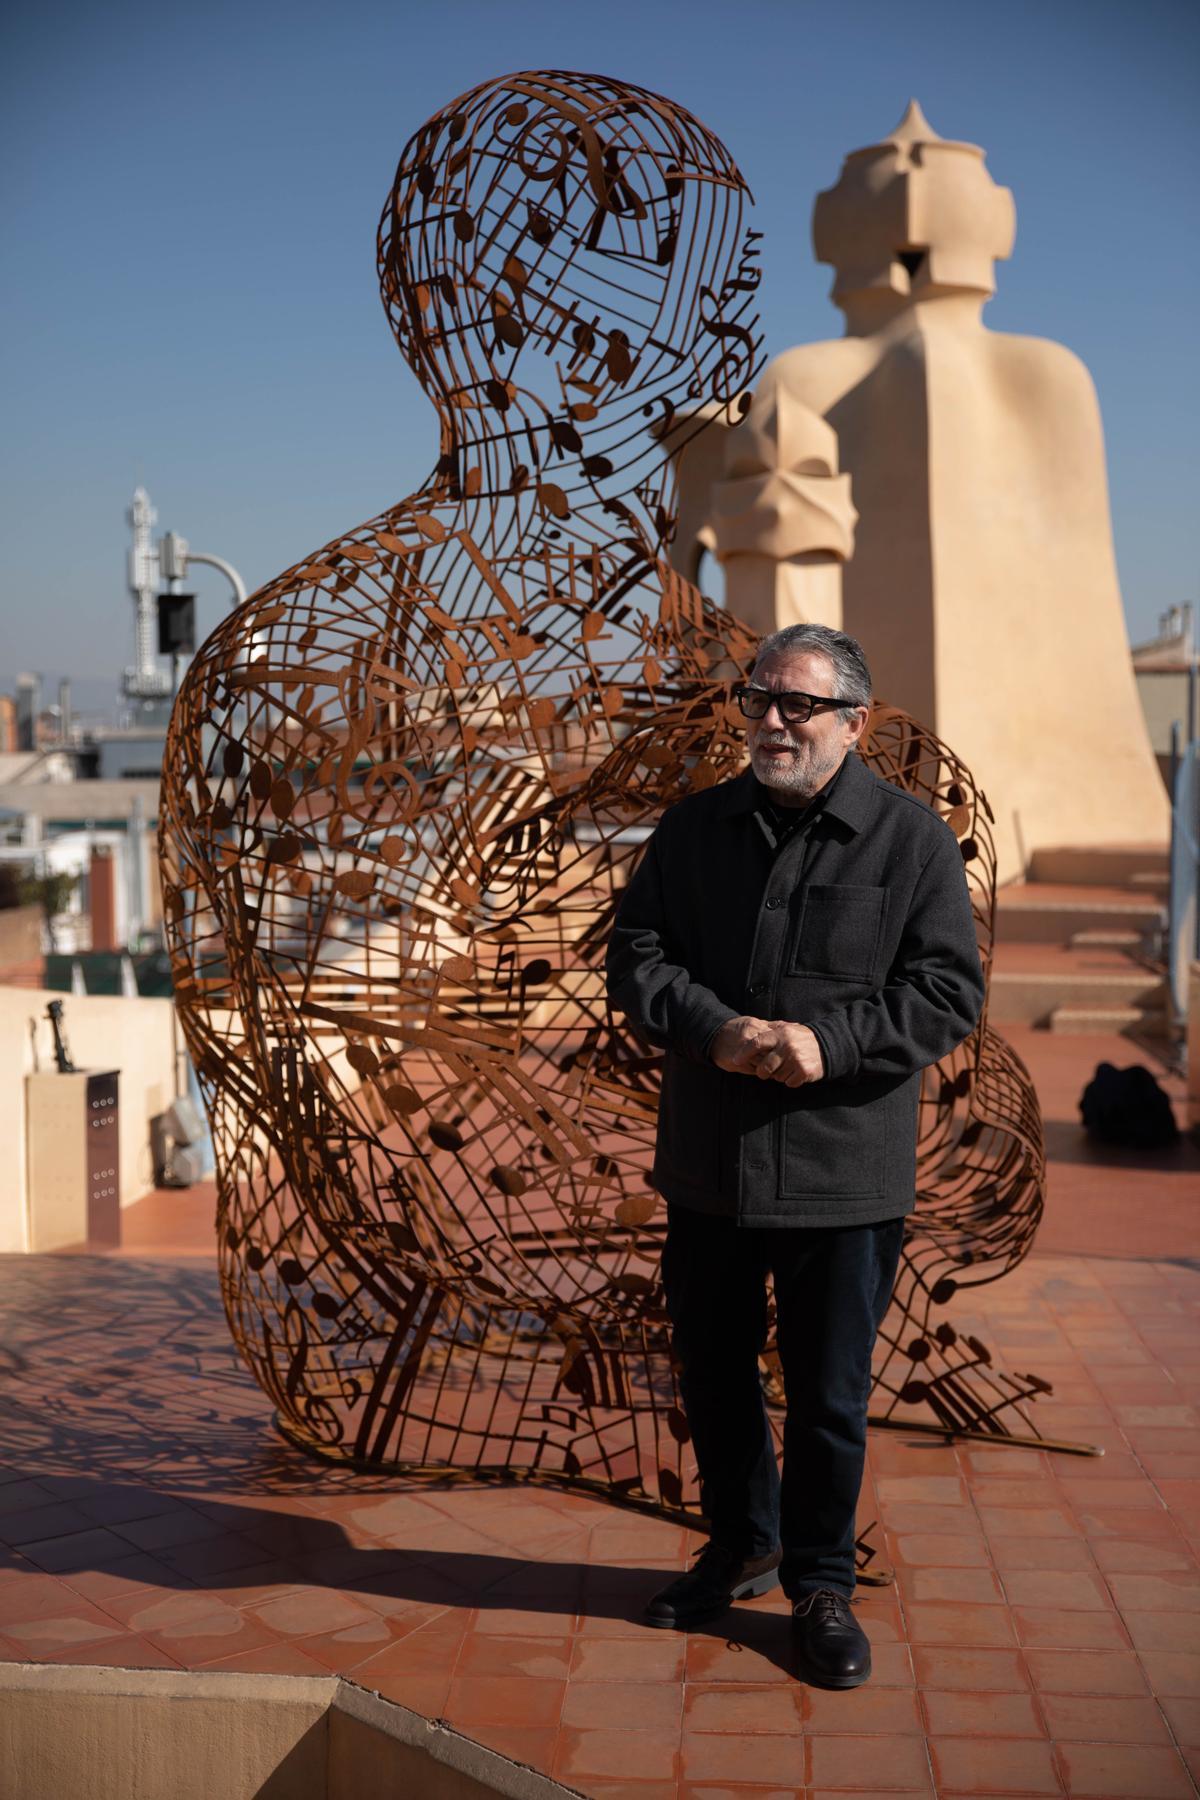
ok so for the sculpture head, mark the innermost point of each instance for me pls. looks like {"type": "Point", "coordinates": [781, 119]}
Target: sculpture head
{"type": "Point", "coordinates": [562, 260]}
{"type": "Point", "coordinates": [913, 217]}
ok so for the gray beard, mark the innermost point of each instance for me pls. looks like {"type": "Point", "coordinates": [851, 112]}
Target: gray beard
{"type": "Point", "coordinates": [804, 776]}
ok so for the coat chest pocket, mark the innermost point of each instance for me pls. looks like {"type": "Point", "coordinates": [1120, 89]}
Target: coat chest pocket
{"type": "Point", "coordinates": [839, 932]}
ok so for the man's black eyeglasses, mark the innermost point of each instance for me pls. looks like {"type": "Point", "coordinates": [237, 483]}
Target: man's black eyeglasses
{"type": "Point", "coordinates": [796, 709]}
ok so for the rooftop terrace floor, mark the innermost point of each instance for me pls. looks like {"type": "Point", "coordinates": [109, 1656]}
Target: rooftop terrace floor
{"type": "Point", "coordinates": [1042, 1635]}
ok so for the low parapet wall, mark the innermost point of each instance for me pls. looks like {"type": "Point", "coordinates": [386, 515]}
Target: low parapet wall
{"type": "Point", "coordinates": [146, 1734]}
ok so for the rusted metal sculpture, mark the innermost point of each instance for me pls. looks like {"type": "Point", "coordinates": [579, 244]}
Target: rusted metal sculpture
{"type": "Point", "coordinates": [405, 782]}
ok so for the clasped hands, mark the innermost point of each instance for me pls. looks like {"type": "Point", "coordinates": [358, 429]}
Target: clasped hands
{"type": "Point", "coordinates": [772, 1049]}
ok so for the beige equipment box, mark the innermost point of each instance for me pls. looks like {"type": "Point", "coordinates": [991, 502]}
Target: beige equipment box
{"type": "Point", "coordinates": [74, 1171]}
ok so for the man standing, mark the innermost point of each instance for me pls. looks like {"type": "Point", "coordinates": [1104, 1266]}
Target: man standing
{"type": "Point", "coordinates": [800, 941]}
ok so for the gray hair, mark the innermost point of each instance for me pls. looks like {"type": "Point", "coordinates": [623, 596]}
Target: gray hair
{"type": "Point", "coordinates": [844, 654]}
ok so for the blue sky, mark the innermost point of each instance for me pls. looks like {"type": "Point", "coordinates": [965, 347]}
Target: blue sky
{"type": "Point", "coordinates": [189, 208]}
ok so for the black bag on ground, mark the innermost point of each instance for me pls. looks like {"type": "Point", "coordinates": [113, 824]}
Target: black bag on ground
{"type": "Point", "coordinates": [1127, 1107]}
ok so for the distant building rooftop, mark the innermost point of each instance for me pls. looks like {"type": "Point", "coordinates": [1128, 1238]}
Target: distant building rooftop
{"type": "Point", "coordinates": [60, 804]}
{"type": "Point", "coordinates": [24, 767]}
{"type": "Point", "coordinates": [1173, 649]}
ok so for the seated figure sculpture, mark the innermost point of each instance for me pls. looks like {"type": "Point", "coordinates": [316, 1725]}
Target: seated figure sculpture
{"type": "Point", "coordinates": [403, 783]}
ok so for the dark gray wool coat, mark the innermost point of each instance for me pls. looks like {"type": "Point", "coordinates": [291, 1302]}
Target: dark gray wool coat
{"type": "Point", "coordinates": [859, 925]}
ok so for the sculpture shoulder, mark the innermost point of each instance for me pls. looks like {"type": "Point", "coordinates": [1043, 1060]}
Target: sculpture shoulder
{"type": "Point", "coordinates": [1053, 366]}
{"type": "Point", "coordinates": [818, 374]}
{"type": "Point", "coordinates": [354, 576]}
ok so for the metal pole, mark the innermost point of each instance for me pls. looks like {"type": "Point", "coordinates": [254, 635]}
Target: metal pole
{"type": "Point", "coordinates": [227, 569]}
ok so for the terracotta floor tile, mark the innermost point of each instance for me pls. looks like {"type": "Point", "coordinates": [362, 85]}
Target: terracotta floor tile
{"type": "Point", "coordinates": [29, 1596]}
{"type": "Point", "coordinates": [271, 1659]}
{"type": "Point", "coordinates": [627, 1705]}
{"type": "Point", "coordinates": [127, 1575]}
{"type": "Point", "coordinates": [1082, 1471]}
{"type": "Point", "coordinates": [1171, 1465]}
{"type": "Point", "coordinates": [1032, 1491]}
{"type": "Point", "coordinates": [1060, 1554]}
{"type": "Point", "coordinates": [518, 1621]}
{"type": "Point", "coordinates": [718, 1757]}
{"type": "Point", "coordinates": [859, 1711]}
{"type": "Point", "coordinates": [1125, 1772]}
{"type": "Point", "coordinates": [546, 1658]}
{"type": "Point", "coordinates": [600, 1789]}
{"type": "Point", "coordinates": [255, 1586]}
{"type": "Point", "coordinates": [821, 1793]}
{"type": "Point", "coordinates": [342, 1652]}
{"type": "Point", "coordinates": [601, 1626]}
{"type": "Point", "coordinates": [920, 1549]}
{"type": "Point", "coordinates": [895, 1765]}
{"type": "Point", "coordinates": [162, 1608]}
{"type": "Point", "coordinates": [978, 1587]}
{"type": "Point", "coordinates": [711, 1659]}
{"type": "Point", "coordinates": [1075, 1591]}
{"type": "Point", "coordinates": [75, 1550]}
{"type": "Point", "coordinates": [641, 1755]}
{"type": "Point", "coordinates": [1182, 1418]}
{"type": "Point", "coordinates": [1163, 1630]}
{"type": "Point", "coordinates": [652, 1657]}
{"type": "Point", "coordinates": [1126, 1522]}
{"type": "Point", "coordinates": [982, 1715]}
{"type": "Point", "coordinates": [310, 1611]}
{"type": "Point", "coordinates": [1152, 1592]}
{"type": "Point", "coordinates": [938, 1490]}
{"type": "Point", "coordinates": [431, 1650]}
{"type": "Point", "coordinates": [930, 1623]}
{"type": "Point", "coordinates": [220, 1633]}
{"type": "Point", "coordinates": [182, 1526]}
{"type": "Point", "coordinates": [503, 1699]}
{"type": "Point", "coordinates": [1142, 1555]}
{"type": "Point", "coordinates": [34, 1524]}
{"type": "Point", "coordinates": [47, 1633]}
{"type": "Point", "coordinates": [1112, 1719]}
{"type": "Point", "coordinates": [526, 1744]}
{"type": "Point", "coordinates": [1027, 1521]}
{"type": "Point", "coordinates": [125, 1652]}
{"type": "Point", "coordinates": [424, 1694]}
{"type": "Point", "coordinates": [990, 1765]}
{"type": "Point", "coordinates": [891, 1666]}
{"type": "Point", "coordinates": [1005, 1461]}
{"type": "Point", "coordinates": [1085, 1671]}
{"type": "Point", "coordinates": [970, 1671]}
{"type": "Point", "coordinates": [747, 1711]}
{"type": "Point", "coordinates": [1183, 1716]}
{"type": "Point", "coordinates": [1137, 1495]}
{"type": "Point", "coordinates": [115, 1506]}
{"type": "Point", "coordinates": [211, 1558]}
{"type": "Point", "coordinates": [1172, 1672]}
{"type": "Point", "coordinates": [903, 1517]}
{"type": "Point", "coordinates": [18, 1495]}
{"type": "Point", "coordinates": [1056, 1628]}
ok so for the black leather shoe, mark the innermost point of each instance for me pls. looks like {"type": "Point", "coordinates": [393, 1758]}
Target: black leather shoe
{"type": "Point", "coordinates": [718, 1577]}
{"type": "Point", "coordinates": [831, 1647]}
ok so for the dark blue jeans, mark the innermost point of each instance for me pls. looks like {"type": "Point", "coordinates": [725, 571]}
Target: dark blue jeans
{"type": "Point", "coordinates": [832, 1287]}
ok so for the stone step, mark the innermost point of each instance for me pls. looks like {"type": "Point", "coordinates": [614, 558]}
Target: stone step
{"type": "Point", "coordinates": [1057, 912]}
{"type": "Point", "coordinates": [1085, 1020]}
{"type": "Point", "coordinates": [1106, 940]}
{"type": "Point", "coordinates": [1030, 980]}
{"type": "Point", "coordinates": [1117, 865]}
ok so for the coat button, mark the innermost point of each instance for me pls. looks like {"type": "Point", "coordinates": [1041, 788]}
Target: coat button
{"type": "Point", "coordinates": [759, 987]}
{"type": "Point", "coordinates": [772, 905]}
